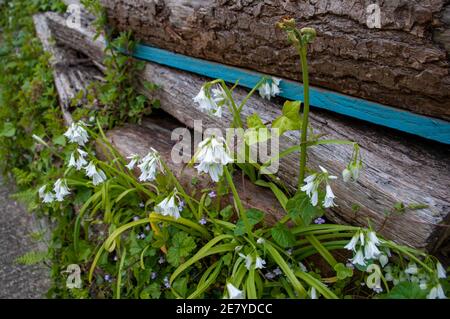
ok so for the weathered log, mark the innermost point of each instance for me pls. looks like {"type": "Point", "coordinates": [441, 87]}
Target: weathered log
{"type": "Point", "coordinates": [72, 72]}
{"type": "Point", "coordinates": [397, 168]}
{"type": "Point", "coordinates": [404, 63]}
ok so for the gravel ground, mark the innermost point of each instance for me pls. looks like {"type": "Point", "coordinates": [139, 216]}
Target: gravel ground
{"type": "Point", "coordinates": [18, 281]}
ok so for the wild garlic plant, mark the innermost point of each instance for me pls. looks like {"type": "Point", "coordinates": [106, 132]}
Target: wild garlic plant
{"type": "Point", "coordinates": [152, 238]}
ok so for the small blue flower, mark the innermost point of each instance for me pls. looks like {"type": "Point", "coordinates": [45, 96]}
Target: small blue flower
{"type": "Point", "coordinates": [166, 282]}
{"type": "Point", "coordinates": [277, 271]}
{"type": "Point", "coordinates": [115, 258]}
{"type": "Point", "coordinates": [270, 275]}
{"type": "Point", "coordinates": [202, 221]}
{"type": "Point", "coordinates": [141, 236]}
{"type": "Point", "coordinates": [319, 221]}
{"type": "Point", "coordinates": [136, 218]}
{"type": "Point", "coordinates": [181, 205]}
{"type": "Point", "coordinates": [161, 260]}
{"type": "Point", "coordinates": [289, 251]}
{"type": "Point", "coordinates": [212, 194]}
{"type": "Point", "coordinates": [141, 205]}
{"type": "Point", "coordinates": [147, 228]}
{"type": "Point", "coordinates": [153, 275]}
{"type": "Point", "coordinates": [107, 278]}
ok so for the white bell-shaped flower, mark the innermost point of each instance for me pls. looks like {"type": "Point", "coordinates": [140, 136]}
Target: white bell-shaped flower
{"type": "Point", "coordinates": [78, 159]}
{"type": "Point", "coordinates": [61, 190]}
{"type": "Point", "coordinates": [77, 134]}
{"type": "Point", "coordinates": [212, 156]}
{"type": "Point", "coordinates": [168, 207]}
{"type": "Point", "coordinates": [234, 293]}
{"type": "Point", "coordinates": [46, 195]}
{"type": "Point", "coordinates": [149, 166]}
{"type": "Point", "coordinates": [97, 175]}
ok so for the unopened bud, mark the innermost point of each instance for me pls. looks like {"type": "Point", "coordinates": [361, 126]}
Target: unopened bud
{"type": "Point", "coordinates": [309, 34]}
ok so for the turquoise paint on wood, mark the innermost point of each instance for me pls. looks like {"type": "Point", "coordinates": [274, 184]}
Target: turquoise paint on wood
{"type": "Point", "coordinates": [430, 128]}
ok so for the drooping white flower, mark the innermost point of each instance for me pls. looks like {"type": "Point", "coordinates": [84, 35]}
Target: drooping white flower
{"type": "Point", "coordinates": [260, 241]}
{"type": "Point", "coordinates": [259, 263]}
{"type": "Point", "coordinates": [209, 104]}
{"type": "Point", "coordinates": [441, 271]}
{"type": "Point", "coordinates": [310, 185]}
{"type": "Point", "coordinates": [436, 293]}
{"type": "Point", "coordinates": [97, 175]}
{"type": "Point", "coordinates": [313, 293]}
{"type": "Point", "coordinates": [149, 166]}
{"type": "Point", "coordinates": [248, 260]}
{"type": "Point", "coordinates": [370, 250]}
{"type": "Point", "coordinates": [77, 134]}
{"type": "Point", "coordinates": [412, 269]}
{"type": "Point", "coordinates": [61, 190]}
{"type": "Point", "coordinates": [234, 293]}
{"type": "Point", "coordinates": [46, 196]}
{"type": "Point", "coordinates": [353, 242]}
{"type": "Point", "coordinates": [358, 259]}
{"type": "Point", "coordinates": [270, 88]}
{"type": "Point", "coordinates": [383, 259]}
{"type": "Point", "coordinates": [212, 156]}
{"type": "Point", "coordinates": [373, 237]}
{"type": "Point", "coordinates": [329, 197]}
{"type": "Point", "coordinates": [77, 159]}
{"type": "Point", "coordinates": [168, 207]}
{"type": "Point", "coordinates": [134, 158]}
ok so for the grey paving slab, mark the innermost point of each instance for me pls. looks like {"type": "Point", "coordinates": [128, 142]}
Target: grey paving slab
{"type": "Point", "coordinates": [16, 224]}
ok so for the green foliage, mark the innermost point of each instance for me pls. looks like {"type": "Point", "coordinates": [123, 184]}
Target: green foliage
{"type": "Point", "coordinates": [290, 119]}
{"type": "Point", "coordinates": [406, 290]}
{"type": "Point", "coordinates": [182, 246]}
{"type": "Point", "coordinates": [254, 216]}
{"type": "Point", "coordinates": [32, 258]}
{"type": "Point", "coordinates": [283, 236]}
{"type": "Point", "coordinates": [300, 206]}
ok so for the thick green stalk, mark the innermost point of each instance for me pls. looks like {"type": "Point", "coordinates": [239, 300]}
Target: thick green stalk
{"type": "Point", "coordinates": [241, 209]}
{"type": "Point", "coordinates": [304, 132]}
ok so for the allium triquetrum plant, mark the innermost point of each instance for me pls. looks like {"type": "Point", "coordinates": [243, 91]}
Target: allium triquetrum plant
{"type": "Point", "coordinates": [164, 241]}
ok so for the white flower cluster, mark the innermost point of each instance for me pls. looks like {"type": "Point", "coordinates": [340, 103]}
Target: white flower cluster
{"type": "Point", "coordinates": [211, 101]}
{"type": "Point", "coordinates": [78, 159]}
{"type": "Point", "coordinates": [366, 247]}
{"type": "Point", "coordinates": [77, 134]}
{"type": "Point", "coordinates": [60, 190]}
{"type": "Point", "coordinates": [97, 175]}
{"type": "Point", "coordinates": [148, 165]}
{"type": "Point", "coordinates": [270, 88]}
{"type": "Point", "coordinates": [169, 206]}
{"type": "Point", "coordinates": [212, 156]}
{"type": "Point", "coordinates": [414, 274]}
{"type": "Point", "coordinates": [312, 185]}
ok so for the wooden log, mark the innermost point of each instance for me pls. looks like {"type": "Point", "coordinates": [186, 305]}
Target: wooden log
{"type": "Point", "coordinates": [403, 63]}
{"type": "Point", "coordinates": [71, 71]}
{"type": "Point", "coordinates": [397, 169]}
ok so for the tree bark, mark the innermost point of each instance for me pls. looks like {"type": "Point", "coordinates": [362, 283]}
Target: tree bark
{"type": "Point", "coordinates": [403, 64]}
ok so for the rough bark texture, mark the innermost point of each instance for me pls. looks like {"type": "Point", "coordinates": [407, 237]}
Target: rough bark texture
{"type": "Point", "coordinates": [403, 64]}
{"type": "Point", "coordinates": [397, 169]}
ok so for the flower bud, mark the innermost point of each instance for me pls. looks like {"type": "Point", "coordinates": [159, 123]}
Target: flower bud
{"type": "Point", "coordinates": [309, 34]}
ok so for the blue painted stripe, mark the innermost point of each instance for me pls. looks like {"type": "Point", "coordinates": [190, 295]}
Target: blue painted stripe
{"type": "Point", "coordinates": [434, 129]}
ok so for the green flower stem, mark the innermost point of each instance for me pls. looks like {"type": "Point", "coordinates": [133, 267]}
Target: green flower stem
{"type": "Point", "coordinates": [304, 132]}
{"type": "Point", "coordinates": [241, 209]}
